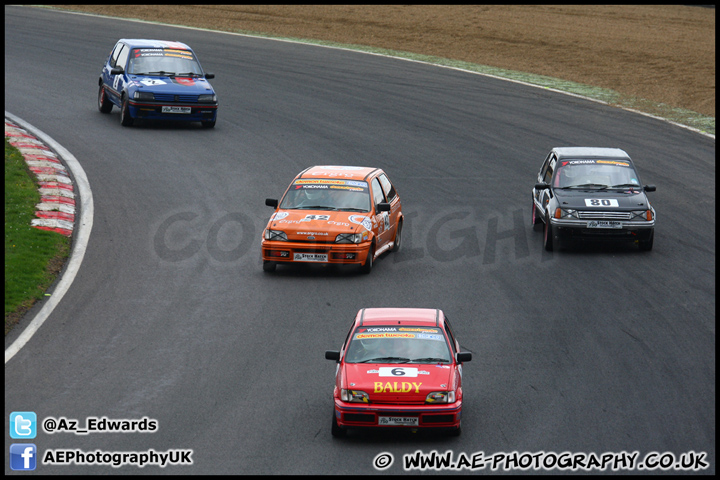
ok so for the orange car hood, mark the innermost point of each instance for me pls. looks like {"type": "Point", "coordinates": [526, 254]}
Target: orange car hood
{"type": "Point", "coordinates": [324, 225]}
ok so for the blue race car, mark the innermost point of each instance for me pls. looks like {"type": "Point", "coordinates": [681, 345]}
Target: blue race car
{"type": "Point", "coordinates": [156, 79]}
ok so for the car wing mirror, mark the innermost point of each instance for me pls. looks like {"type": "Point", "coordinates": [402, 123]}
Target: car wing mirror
{"type": "Point", "coordinates": [649, 188]}
{"type": "Point", "coordinates": [461, 357]}
{"type": "Point", "coordinates": [383, 207]}
{"type": "Point", "coordinates": [209, 75]}
{"type": "Point", "coordinates": [541, 186]}
{"type": "Point", "coordinates": [332, 355]}
{"type": "Point", "coordinates": [117, 71]}
{"type": "Point", "coordinates": [271, 202]}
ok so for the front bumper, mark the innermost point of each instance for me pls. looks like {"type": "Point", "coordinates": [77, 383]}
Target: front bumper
{"type": "Point", "coordinates": [374, 415]}
{"type": "Point", "coordinates": [153, 111]}
{"type": "Point", "coordinates": [297, 252]}
{"type": "Point", "coordinates": [603, 229]}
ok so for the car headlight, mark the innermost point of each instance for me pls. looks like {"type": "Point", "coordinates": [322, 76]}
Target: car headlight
{"type": "Point", "coordinates": [566, 213]}
{"type": "Point", "coordinates": [354, 396]}
{"type": "Point", "coordinates": [440, 397]}
{"type": "Point", "coordinates": [643, 215]}
{"type": "Point", "coordinates": [144, 96]}
{"type": "Point", "coordinates": [275, 235]}
{"type": "Point", "coordinates": [207, 98]}
{"type": "Point", "coordinates": [349, 238]}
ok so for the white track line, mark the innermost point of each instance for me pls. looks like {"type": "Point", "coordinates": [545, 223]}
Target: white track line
{"type": "Point", "coordinates": [81, 235]}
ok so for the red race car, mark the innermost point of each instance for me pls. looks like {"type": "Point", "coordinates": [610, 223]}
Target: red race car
{"type": "Point", "coordinates": [334, 214]}
{"type": "Point", "coordinates": [398, 367]}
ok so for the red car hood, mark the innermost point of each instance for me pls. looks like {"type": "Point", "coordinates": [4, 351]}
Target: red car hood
{"type": "Point", "coordinates": [324, 225]}
{"type": "Point", "coordinates": [412, 386]}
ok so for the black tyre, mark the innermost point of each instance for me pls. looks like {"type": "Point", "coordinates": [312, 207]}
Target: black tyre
{"type": "Point", "coordinates": [125, 119]}
{"type": "Point", "coordinates": [455, 432]}
{"type": "Point", "coordinates": [548, 235]}
{"type": "Point", "coordinates": [535, 217]}
{"type": "Point", "coordinates": [104, 105]}
{"type": "Point", "coordinates": [398, 238]}
{"type": "Point", "coordinates": [269, 266]}
{"type": "Point", "coordinates": [209, 124]}
{"type": "Point", "coordinates": [646, 245]}
{"type": "Point", "coordinates": [367, 266]}
{"type": "Point", "coordinates": [335, 429]}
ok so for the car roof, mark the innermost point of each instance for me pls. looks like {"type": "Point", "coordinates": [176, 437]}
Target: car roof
{"type": "Point", "coordinates": [401, 316]}
{"type": "Point", "coordinates": [147, 43]}
{"type": "Point", "coordinates": [590, 152]}
{"type": "Point", "coordinates": [345, 172]}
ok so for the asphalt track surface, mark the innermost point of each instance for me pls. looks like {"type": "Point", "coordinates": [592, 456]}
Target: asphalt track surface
{"type": "Point", "coordinates": [594, 349]}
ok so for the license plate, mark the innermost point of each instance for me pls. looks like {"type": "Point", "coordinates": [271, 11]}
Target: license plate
{"type": "Point", "coordinates": [398, 421]}
{"type": "Point", "coordinates": [310, 257]}
{"type": "Point", "coordinates": [603, 224]}
{"type": "Point", "coordinates": [176, 109]}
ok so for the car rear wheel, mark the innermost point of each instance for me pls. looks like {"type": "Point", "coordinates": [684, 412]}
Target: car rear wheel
{"type": "Point", "coordinates": [125, 119]}
{"type": "Point", "coordinates": [548, 235]}
{"type": "Point", "coordinates": [208, 124]}
{"type": "Point", "coordinates": [104, 105]}
{"type": "Point", "coordinates": [335, 429]}
{"type": "Point", "coordinates": [398, 237]}
{"type": "Point", "coordinates": [646, 245]}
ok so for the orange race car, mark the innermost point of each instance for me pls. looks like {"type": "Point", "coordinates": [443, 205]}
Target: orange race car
{"type": "Point", "coordinates": [334, 215]}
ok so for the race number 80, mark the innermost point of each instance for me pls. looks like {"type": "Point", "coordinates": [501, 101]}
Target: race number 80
{"type": "Point", "coordinates": [601, 202]}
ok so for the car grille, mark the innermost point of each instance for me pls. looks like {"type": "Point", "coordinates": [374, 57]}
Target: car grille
{"type": "Point", "coordinates": [359, 417]}
{"type": "Point", "coordinates": [167, 97]}
{"type": "Point", "coordinates": [438, 418]}
{"type": "Point", "coordinates": [588, 215]}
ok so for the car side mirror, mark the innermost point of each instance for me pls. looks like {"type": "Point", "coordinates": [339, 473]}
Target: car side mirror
{"type": "Point", "coordinates": [461, 357]}
{"type": "Point", "coordinates": [117, 71]}
{"type": "Point", "coordinates": [383, 207]}
{"type": "Point", "coordinates": [209, 75]}
{"type": "Point", "coordinates": [541, 186]}
{"type": "Point", "coordinates": [649, 188]}
{"type": "Point", "coordinates": [332, 355]}
{"type": "Point", "coordinates": [271, 202]}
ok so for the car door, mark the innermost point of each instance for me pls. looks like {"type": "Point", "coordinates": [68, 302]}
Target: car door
{"type": "Point", "coordinates": [380, 219]}
{"type": "Point", "coordinates": [545, 176]}
{"type": "Point", "coordinates": [107, 78]}
{"type": "Point", "coordinates": [393, 199]}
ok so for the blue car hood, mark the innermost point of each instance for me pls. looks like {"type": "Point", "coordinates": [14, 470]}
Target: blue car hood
{"type": "Point", "coordinates": [172, 85]}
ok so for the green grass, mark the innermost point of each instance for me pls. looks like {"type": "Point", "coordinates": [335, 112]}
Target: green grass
{"type": "Point", "coordinates": [33, 257]}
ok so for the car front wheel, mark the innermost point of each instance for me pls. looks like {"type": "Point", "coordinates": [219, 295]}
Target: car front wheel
{"type": "Point", "coordinates": [104, 105]}
{"type": "Point", "coordinates": [548, 235]}
{"type": "Point", "coordinates": [335, 429]}
{"type": "Point", "coordinates": [269, 266]}
{"type": "Point", "coordinates": [367, 266]}
{"type": "Point", "coordinates": [646, 245]}
{"type": "Point", "coordinates": [535, 217]}
{"type": "Point", "coordinates": [125, 119]}
{"type": "Point", "coordinates": [398, 238]}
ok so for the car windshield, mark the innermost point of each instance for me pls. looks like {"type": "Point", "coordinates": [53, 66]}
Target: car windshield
{"type": "Point", "coordinates": [163, 61]}
{"type": "Point", "coordinates": [398, 344]}
{"type": "Point", "coordinates": [584, 173]}
{"type": "Point", "coordinates": [325, 194]}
